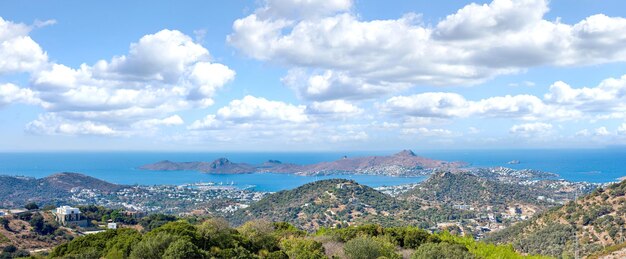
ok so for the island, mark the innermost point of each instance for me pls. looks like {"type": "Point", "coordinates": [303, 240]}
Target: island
{"type": "Point", "coordinates": [405, 163]}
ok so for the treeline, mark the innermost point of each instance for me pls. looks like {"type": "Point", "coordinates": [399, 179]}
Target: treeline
{"type": "Point", "coordinates": [215, 238]}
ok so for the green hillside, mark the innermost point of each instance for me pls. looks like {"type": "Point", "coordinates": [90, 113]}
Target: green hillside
{"type": "Point", "coordinates": [334, 202]}
{"type": "Point", "coordinates": [597, 220]}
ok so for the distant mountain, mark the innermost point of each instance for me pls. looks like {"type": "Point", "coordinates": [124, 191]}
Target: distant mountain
{"type": "Point", "coordinates": [597, 220]}
{"type": "Point", "coordinates": [16, 191]}
{"type": "Point", "coordinates": [404, 163]}
{"type": "Point", "coordinates": [324, 203]}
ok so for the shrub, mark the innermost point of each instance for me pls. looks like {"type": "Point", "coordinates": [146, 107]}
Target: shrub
{"type": "Point", "coordinates": [365, 247]}
{"type": "Point", "coordinates": [443, 250]}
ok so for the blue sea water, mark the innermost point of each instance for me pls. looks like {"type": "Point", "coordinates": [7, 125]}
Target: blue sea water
{"type": "Point", "coordinates": [593, 165]}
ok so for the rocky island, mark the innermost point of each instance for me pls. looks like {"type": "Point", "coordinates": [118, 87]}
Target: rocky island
{"type": "Point", "coordinates": [404, 163]}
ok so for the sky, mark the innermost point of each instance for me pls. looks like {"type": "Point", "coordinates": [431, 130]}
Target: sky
{"type": "Point", "coordinates": [311, 75]}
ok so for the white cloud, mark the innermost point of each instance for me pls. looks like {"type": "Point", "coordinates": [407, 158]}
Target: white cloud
{"type": "Point", "coordinates": [531, 129]}
{"type": "Point", "coordinates": [50, 124]}
{"type": "Point", "coordinates": [163, 73]}
{"type": "Point", "coordinates": [426, 132]}
{"type": "Point", "coordinates": [18, 52]}
{"type": "Point", "coordinates": [435, 104]}
{"type": "Point", "coordinates": [609, 96]}
{"type": "Point", "coordinates": [336, 55]}
{"type": "Point", "coordinates": [601, 131]}
{"type": "Point", "coordinates": [335, 107]}
{"type": "Point", "coordinates": [10, 93]}
{"type": "Point", "coordinates": [250, 109]}
{"type": "Point", "coordinates": [451, 105]}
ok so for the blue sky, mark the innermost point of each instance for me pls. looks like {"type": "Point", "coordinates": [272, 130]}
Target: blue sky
{"type": "Point", "coordinates": [312, 75]}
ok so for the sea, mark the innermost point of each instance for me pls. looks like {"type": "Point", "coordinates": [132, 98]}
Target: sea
{"type": "Point", "coordinates": [590, 165]}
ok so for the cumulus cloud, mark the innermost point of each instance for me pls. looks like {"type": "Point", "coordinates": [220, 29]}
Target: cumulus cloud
{"type": "Point", "coordinates": [10, 93]}
{"type": "Point", "coordinates": [252, 108]}
{"type": "Point", "coordinates": [163, 73]}
{"type": "Point", "coordinates": [19, 52]}
{"type": "Point", "coordinates": [336, 55]}
{"type": "Point", "coordinates": [602, 131]}
{"type": "Point", "coordinates": [531, 129]}
{"type": "Point", "coordinates": [607, 100]}
{"type": "Point", "coordinates": [335, 107]}
{"type": "Point", "coordinates": [452, 105]}
{"type": "Point", "coordinates": [608, 97]}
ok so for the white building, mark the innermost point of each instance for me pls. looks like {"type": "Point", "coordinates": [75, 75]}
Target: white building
{"type": "Point", "coordinates": [67, 215]}
{"type": "Point", "coordinates": [112, 225]}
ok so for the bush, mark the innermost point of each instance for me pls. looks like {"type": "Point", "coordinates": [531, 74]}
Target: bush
{"type": "Point", "coordinates": [9, 249]}
{"type": "Point", "coordinates": [182, 248]}
{"type": "Point", "coordinates": [31, 206]}
{"type": "Point", "coordinates": [365, 247]}
{"type": "Point", "coordinates": [302, 248]}
{"type": "Point", "coordinates": [153, 247]}
{"type": "Point", "coordinates": [443, 250]}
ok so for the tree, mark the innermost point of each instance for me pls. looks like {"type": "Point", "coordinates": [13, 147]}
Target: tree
{"type": "Point", "coordinates": [5, 223]}
{"type": "Point", "coordinates": [260, 235]}
{"type": "Point", "coordinates": [443, 250]}
{"type": "Point", "coordinates": [216, 232]}
{"type": "Point", "coordinates": [182, 248]}
{"type": "Point", "coordinates": [302, 248]}
{"type": "Point", "coordinates": [153, 246]}
{"type": "Point", "coordinates": [365, 247]}
{"type": "Point", "coordinates": [31, 206]}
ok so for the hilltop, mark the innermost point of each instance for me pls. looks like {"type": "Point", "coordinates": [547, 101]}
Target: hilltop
{"type": "Point", "coordinates": [597, 219]}
{"type": "Point", "coordinates": [16, 191]}
{"type": "Point", "coordinates": [325, 203]}
{"type": "Point", "coordinates": [404, 163]}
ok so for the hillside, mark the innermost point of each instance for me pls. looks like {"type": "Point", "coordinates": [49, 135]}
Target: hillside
{"type": "Point", "coordinates": [464, 188]}
{"type": "Point", "coordinates": [324, 203]}
{"type": "Point", "coordinates": [16, 191]}
{"type": "Point", "coordinates": [404, 163]}
{"type": "Point", "coordinates": [596, 219]}
{"type": "Point", "coordinates": [32, 231]}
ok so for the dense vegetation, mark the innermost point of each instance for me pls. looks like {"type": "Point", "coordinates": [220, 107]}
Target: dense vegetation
{"type": "Point", "coordinates": [214, 238]}
{"type": "Point", "coordinates": [332, 202]}
{"type": "Point", "coordinates": [596, 219]}
{"type": "Point", "coordinates": [339, 202]}
{"type": "Point", "coordinates": [466, 188]}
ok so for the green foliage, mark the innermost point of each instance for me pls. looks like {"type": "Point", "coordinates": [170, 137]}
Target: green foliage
{"type": "Point", "coordinates": [260, 234]}
{"type": "Point", "coordinates": [5, 223]}
{"type": "Point", "coordinates": [443, 250]}
{"type": "Point", "coordinates": [31, 206]}
{"type": "Point", "coordinates": [153, 246]}
{"type": "Point", "coordinates": [41, 226]}
{"type": "Point", "coordinates": [216, 232]}
{"type": "Point", "coordinates": [100, 213]}
{"type": "Point", "coordinates": [366, 247]}
{"type": "Point", "coordinates": [214, 238]}
{"type": "Point", "coordinates": [113, 242]}
{"type": "Point", "coordinates": [296, 247]}
{"type": "Point", "coordinates": [182, 248]}
{"type": "Point", "coordinates": [156, 220]}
